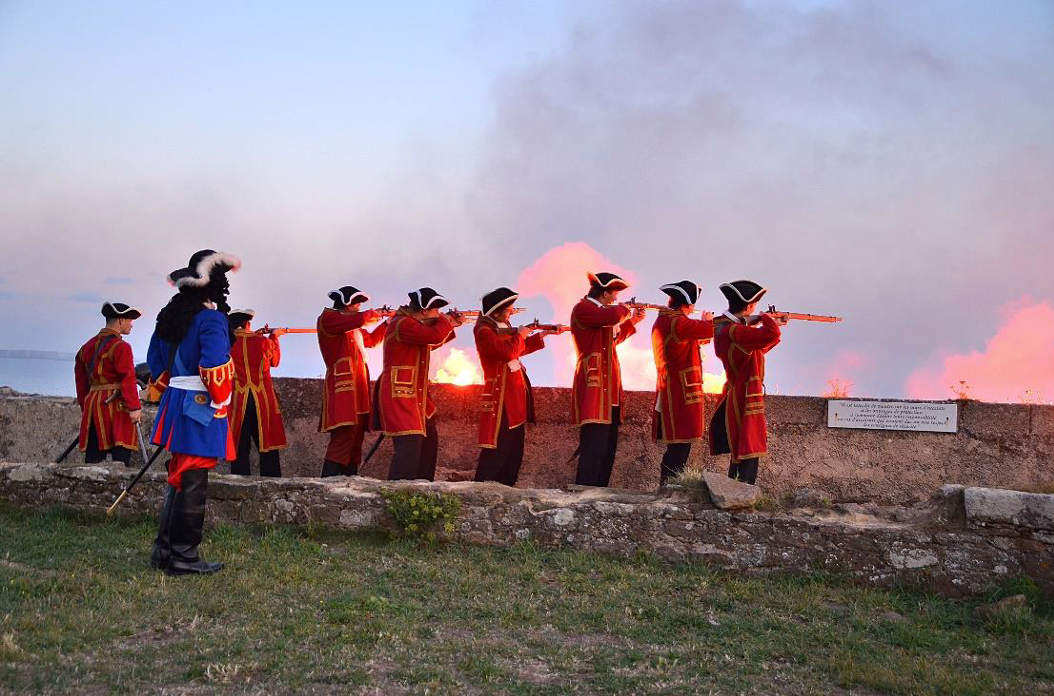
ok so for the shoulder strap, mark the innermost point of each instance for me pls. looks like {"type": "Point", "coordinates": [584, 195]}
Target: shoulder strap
{"type": "Point", "coordinates": [100, 345]}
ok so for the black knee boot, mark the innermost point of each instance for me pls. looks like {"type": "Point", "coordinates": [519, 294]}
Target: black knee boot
{"type": "Point", "coordinates": [733, 470]}
{"type": "Point", "coordinates": [162, 547]}
{"type": "Point", "coordinates": [188, 522]}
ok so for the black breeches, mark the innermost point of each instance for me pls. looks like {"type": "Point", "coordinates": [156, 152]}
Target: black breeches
{"type": "Point", "coordinates": [250, 434]}
{"type": "Point", "coordinates": [597, 444]}
{"type": "Point", "coordinates": [414, 456]}
{"type": "Point", "coordinates": [94, 455]}
{"type": "Point", "coordinates": [502, 463]}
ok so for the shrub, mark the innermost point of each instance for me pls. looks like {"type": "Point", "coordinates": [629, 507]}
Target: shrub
{"type": "Point", "coordinates": [420, 514]}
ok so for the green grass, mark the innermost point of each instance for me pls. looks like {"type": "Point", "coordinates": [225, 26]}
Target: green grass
{"type": "Point", "coordinates": [311, 611]}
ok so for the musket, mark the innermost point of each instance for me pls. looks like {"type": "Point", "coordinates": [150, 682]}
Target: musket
{"type": "Point", "coordinates": [534, 326]}
{"type": "Point", "coordinates": [474, 313]}
{"type": "Point", "coordinates": [159, 450]}
{"type": "Point", "coordinates": [797, 316]}
{"type": "Point", "coordinates": [285, 330]}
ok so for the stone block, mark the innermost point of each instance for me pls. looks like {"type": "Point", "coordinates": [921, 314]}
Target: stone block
{"type": "Point", "coordinates": [729, 494]}
{"type": "Point", "coordinates": [994, 421]}
{"type": "Point", "coordinates": [26, 472]}
{"type": "Point", "coordinates": [796, 410]}
{"type": "Point", "coordinates": [1033, 511]}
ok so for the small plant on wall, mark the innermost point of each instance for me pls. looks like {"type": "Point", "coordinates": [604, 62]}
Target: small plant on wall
{"type": "Point", "coordinates": [420, 514]}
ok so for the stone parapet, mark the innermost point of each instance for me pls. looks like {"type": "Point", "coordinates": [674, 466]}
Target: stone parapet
{"type": "Point", "coordinates": [997, 445]}
{"type": "Point", "coordinates": [951, 544]}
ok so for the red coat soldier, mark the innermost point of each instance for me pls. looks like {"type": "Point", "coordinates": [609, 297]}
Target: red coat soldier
{"type": "Point", "coordinates": [506, 402]}
{"type": "Point", "coordinates": [255, 414]}
{"type": "Point", "coordinates": [597, 326]}
{"type": "Point", "coordinates": [406, 412]}
{"type": "Point", "coordinates": [343, 339]}
{"type": "Point", "coordinates": [106, 389]}
{"type": "Point", "coordinates": [676, 339]}
{"type": "Point", "coordinates": [741, 341]}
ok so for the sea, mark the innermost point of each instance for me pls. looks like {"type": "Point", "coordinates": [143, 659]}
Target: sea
{"type": "Point", "coordinates": [38, 376]}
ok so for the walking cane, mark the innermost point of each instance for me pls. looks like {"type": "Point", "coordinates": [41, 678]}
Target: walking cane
{"type": "Point", "coordinates": [142, 450]}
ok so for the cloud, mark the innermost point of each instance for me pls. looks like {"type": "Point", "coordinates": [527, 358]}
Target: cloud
{"type": "Point", "coordinates": [86, 296]}
{"type": "Point", "coordinates": [118, 281]}
{"type": "Point", "coordinates": [1017, 362]}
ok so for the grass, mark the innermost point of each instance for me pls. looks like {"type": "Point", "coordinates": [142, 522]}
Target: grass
{"type": "Point", "coordinates": [312, 611]}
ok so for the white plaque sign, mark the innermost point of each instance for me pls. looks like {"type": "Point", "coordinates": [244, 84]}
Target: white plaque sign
{"type": "Point", "coordinates": [893, 415]}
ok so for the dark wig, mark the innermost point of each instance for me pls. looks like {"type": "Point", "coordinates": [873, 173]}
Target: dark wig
{"type": "Point", "coordinates": [173, 321]}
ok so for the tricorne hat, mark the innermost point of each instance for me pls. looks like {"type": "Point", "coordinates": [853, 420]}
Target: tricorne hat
{"type": "Point", "coordinates": [496, 299]}
{"type": "Point", "coordinates": [427, 298]}
{"type": "Point", "coordinates": [119, 310]}
{"type": "Point", "coordinates": [348, 295]}
{"type": "Point", "coordinates": [745, 291]}
{"type": "Point", "coordinates": [607, 281]}
{"type": "Point", "coordinates": [686, 290]}
{"type": "Point", "coordinates": [201, 266]}
{"type": "Point", "coordinates": [237, 317]}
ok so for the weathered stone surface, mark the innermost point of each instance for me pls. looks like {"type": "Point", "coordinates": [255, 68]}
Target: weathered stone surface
{"type": "Point", "coordinates": [849, 465]}
{"type": "Point", "coordinates": [729, 494]}
{"type": "Point", "coordinates": [874, 544]}
{"type": "Point", "coordinates": [996, 506]}
{"type": "Point", "coordinates": [808, 497]}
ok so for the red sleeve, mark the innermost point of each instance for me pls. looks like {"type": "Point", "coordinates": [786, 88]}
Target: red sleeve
{"type": "Point", "coordinates": [372, 338]}
{"type": "Point", "coordinates": [276, 351]}
{"type": "Point", "coordinates": [687, 329]}
{"type": "Point", "coordinates": [125, 366]}
{"type": "Point", "coordinates": [625, 330]}
{"type": "Point", "coordinates": [594, 316]}
{"type": "Point", "coordinates": [80, 375]}
{"type": "Point", "coordinates": [435, 333]}
{"type": "Point", "coordinates": [491, 346]}
{"type": "Point", "coordinates": [763, 336]}
{"type": "Point", "coordinates": [534, 343]}
{"type": "Point", "coordinates": [333, 322]}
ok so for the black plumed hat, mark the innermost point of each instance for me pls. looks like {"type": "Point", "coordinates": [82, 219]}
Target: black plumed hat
{"type": "Point", "coordinates": [496, 299]}
{"type": "Point", "coordinates": [119, 310]}
{"type": "Point", "coordinates": [685, 290]}
{"type": "Point", "coordinates": [198, 271]}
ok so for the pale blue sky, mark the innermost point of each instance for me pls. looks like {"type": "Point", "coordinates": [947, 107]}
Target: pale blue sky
{"type": "Point", "coordinates": [853, 156]}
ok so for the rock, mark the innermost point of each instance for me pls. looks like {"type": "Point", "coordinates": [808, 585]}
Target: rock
{"type": "Point", "coordinates": [908, 559]}
{"type": "Point", "coordinates": [997, 506]}
{"type": "Point", "coordinates": [729, 494]}
{"type": "Point", "coordinates": [1012, 603]}
{"type": "Point", "coordinates": [893, 617]}
{"type": "Point", "coordinates": [809, 497]}
{"type": "Point", "coordinates": [29, 472]}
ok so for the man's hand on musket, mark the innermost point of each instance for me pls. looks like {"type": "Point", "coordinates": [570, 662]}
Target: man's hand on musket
{"type": "Point", "coordinates": [523, 331]}
{"type": "Point", "coordinates": [706, 316]}
{"type": "Point", "coordinates": [275, 333]}
{"type": "Point", "coordinates": [136, 415]}
{"type": "Point", "coordinates": [638, 314]}
{"type": "Point", "coordinates": [455, 318]}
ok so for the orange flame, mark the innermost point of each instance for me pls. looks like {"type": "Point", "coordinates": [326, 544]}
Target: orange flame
{"type": "Point", "coordinates": [457, 368]}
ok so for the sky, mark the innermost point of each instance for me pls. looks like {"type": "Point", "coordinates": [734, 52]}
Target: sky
{"type": "Point", "coordinates": [886, 162]}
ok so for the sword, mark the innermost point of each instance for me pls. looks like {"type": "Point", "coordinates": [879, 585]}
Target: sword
{"type": "Point", "coordinates": [142, 449]}
{"type": "Point", "coordinates": [376, 444]}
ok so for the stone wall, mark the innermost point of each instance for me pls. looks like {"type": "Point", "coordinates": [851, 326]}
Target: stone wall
{"type": "Point", "coordinates": [959, 542]}
{"type": "Point", "coordinates": [998, 445]}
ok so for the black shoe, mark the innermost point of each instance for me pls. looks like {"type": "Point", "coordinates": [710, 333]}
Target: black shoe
{"type": "Point", "coordinates": [198, 567]}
